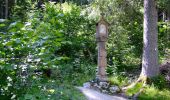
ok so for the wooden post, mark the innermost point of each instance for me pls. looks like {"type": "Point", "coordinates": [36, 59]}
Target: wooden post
{"type": "Point", "coordinates": [101, 38]}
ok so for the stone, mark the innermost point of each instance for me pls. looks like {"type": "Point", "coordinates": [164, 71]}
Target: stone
{"type": "Point", "coordinates": [104, 91]}
{"type": "Point", "coordinates": [114, 89]}
{"type": "Point", "coordinates": [87, 85]}
{"type": "Point", "coordinates": [165, 68]}
{"type": "Point", "coordinates": [95, 85]}
{"type": "Point", "coordinates": [165, 71]}
{"type": "Point", "coordinates": [104, 85]}
{"type": "Point", "coordinates": [99, 87]}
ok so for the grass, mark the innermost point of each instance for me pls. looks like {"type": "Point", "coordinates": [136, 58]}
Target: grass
{"type": "Point", "coordinates": [72, 75]}
{"type": "Point", "coordinates": [118, 80]}
{"type": "Point", "coordinates": [60, 86]}
{"type": "Point", "coordinates": [157, 90]}
{"type": "Point", "coordinates": [153, 93]}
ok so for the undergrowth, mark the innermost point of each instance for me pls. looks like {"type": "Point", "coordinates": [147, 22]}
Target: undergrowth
{"type": "Point", "coordinates": [156, 89]}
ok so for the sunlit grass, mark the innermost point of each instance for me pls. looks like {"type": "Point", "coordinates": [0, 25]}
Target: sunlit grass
{"type": "Point", "coordinates": [152, 93]}
{"type": "Point", "coordinates": [118, 80]}
{"type": "Point", "coordinates": [157, 91]}
{"type": "Point", "coordinates": [135, 89]}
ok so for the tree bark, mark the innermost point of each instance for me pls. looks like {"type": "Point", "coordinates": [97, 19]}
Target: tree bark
{"type": "Point", "coordinates": [1, 10]}
{"type": "Point", "coordinates": [150, 37]}
{"type": "Point", "coordinates": [164, 16]}
{"type": "Point", "coordinates": [168, 32]}
{"type": "Point", "coordinates": [6, 9]}
{"type": "Point", "coordinates": [168, 12]}
{"type": "Point", "coordinates": [61, 4]}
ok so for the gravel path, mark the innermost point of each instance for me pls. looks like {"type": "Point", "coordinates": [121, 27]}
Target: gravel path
{"type": "Point", "coordinates": [95, 95]}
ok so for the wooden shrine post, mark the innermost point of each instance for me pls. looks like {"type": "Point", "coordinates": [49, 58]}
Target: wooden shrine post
{"type": "Point", "coordinates": [101, 38]}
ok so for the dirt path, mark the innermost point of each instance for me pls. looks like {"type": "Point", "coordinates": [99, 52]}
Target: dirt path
{"type": "Point", "coordinates": [95, 95]}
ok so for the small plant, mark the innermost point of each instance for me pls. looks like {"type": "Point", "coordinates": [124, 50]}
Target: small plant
{"type": "Point", "coordinates": [159, 82]}
{"type": "Point", "coordinates": [135, 89]}
{"type": "Point", "coordinates": [153, 93]}
{"type": "Point", "coordinates": [118, 80]}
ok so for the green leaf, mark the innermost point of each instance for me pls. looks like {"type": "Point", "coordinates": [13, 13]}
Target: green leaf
{"type": "Point", "coordinates": [10, 43]}
{"type": "Point", "coordinates": [29, 97]}
{"type": "Point", "coordinates": [2, 25]}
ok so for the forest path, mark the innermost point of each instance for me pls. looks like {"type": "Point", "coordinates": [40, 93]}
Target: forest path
{"type": "Point", "coordinates": [95, 95]}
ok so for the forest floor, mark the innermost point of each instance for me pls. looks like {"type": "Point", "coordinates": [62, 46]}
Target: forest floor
{"type": "Point", "coordinates": [91, 94]}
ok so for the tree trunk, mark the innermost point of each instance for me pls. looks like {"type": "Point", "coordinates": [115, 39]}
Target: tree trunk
{"type": "Point", "coordinates": [164, 16]}
{"type": "Point", "coordinates": [168, 12]}
{"type": "Point", "coordinates": [1, 10]}
{"type": "Point", "coordinates": [61, 4]}
{"type": "Point", "coordinates": [81, 2]}
{"type": "Point", "coordinates": [168, 33]}
{"type": "Point", "coordinates": [150, 37]}
{"type": "Point", "coordinates": [6, 9]}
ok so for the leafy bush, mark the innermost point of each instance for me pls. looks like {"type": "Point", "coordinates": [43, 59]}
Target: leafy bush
{"type": "Point", "coordinates": [45, 40]}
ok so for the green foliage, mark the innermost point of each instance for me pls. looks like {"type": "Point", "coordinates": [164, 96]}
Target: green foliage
{"type": "Point", "coordinates": [19, 8]}
{"type": "Point", "coordinates": [157, 90]}
{"type": "Point", "coordinates": [47, 39]}
{"type": "Point", "coordinates": [42, 88]}
{"type": "Point", "coordinates": [118, 80]}
{"type": "Point", "coordinates": [135, 89]}
{"type": "Point", "coordinates": [125, 34]}
{"type": "Point", "coordinates": [163, 4]}
{"type": "Point", "coordinates": [159, 82]}
{"type": "Point", "coordinates": [152, 93]}
{"type": "Point", "coordinates": [61, 38]}
{"type": "Point", "coordinates": [163, 39]}
{"type": "Point", "coordinates": [75, 73]}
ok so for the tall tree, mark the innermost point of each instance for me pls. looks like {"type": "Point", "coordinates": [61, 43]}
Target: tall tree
{"type": "Point", "coordinates": [168, 32]}
{"type": "Point", "coordinates": [168, 11]}
{"type": "Point", "coordinates": [1, 9]}
{"type": "Point", "coordinates": [6, 9]}
{"type": "Point", "coordinates": [150, 37]}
